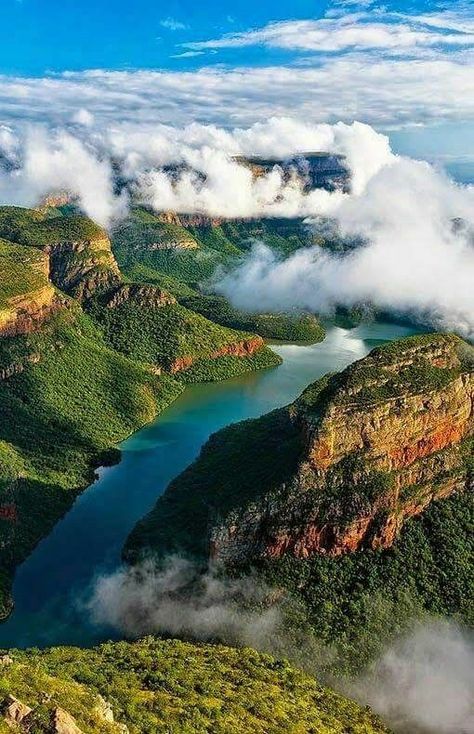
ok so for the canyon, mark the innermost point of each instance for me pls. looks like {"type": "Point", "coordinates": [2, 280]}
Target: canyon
{"type": "Point", "coordinates": [366, 450]}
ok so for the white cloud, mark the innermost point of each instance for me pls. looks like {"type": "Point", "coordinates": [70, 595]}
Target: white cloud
{"type": "Point", "coordinates": [83, 117]}
{"type": "Point", "coordinates": [171, 24]}
{"type": "Point", "coordinates": [350, 31]}
{"type": "Point", "coordinates": [390, 92]}
{"type": "Point", "coordinates": [56, 162]}
{"type": "Point", "coordinates": [187, 54]}
{"type": "Point", "coordinates": [425, 681]}
{"type": "Point", "coordinates": [414, 260]}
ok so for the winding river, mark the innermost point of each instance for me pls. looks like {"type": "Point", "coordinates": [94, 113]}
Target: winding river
{"type": "Point", "coordinates": [51, 586]}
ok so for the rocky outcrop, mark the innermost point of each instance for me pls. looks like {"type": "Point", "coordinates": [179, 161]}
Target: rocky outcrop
{"type": "Point", "coordinates": [83, 268]}
{"type": "Point", "coordinates": [379, 443]}
{"type": "Point", "coordinates": [243, 348]}
{"type": "Point", "coordinates": [27, 312]}
{"type": "Point", "coordinates": [148, 296]}
{"type": "Point", "coordinates": [62, 723]}
{"type": "Point", "coordinates": [14, 711]}
{"type": "Point", "coordinates": [27, 297]}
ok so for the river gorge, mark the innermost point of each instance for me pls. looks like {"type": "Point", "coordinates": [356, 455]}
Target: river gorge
{"type": "Point", "coordinates": [51, 588]}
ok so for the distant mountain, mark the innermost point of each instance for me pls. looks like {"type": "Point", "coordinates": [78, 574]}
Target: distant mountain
{"type": "Point", "coordinates": [315, 170]}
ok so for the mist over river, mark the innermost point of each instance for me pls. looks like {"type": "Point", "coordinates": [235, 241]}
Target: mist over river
{"type": "Point", "coordinates": [51, 586]}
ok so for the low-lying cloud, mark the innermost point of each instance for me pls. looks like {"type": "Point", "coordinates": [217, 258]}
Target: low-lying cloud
{"type": "Point", "coordinates": [180, 599]}
{"type": "Point", "coordinates": [425, 682]}
{"type": "Point", "coordinates": [418, 253]}
{"type": "Point", "coordinates": [422, 683]}
{"type": "Point", "coordinates": [416, 224]}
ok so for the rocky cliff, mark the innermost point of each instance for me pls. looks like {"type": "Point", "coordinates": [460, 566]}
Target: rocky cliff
{"type": "Point", "coordinates": [341, 469]}
{"type": "Point", "coordinates": [27, 297]}
{"type": "Point", "coordinates": [379, 443]}
{"type": "Point", "coordinates": [81, 262]}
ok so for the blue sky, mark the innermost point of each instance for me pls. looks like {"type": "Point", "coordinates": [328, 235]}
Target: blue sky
{"type": "Point", "coordinates": [403, 66]}
{"type": "Point", "coordinates": [37, 36]}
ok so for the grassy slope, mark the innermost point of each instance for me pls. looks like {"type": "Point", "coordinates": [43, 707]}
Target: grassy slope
{"type": "Point", "coordinates": [164, 334]}
{"type": "Point", "coordinates": [170, 686]}
{"type": "Point", "coordinates": [353, 602]}
{"type": "Point", "coordinates": [180, 271]}
{"type": "Point", "coordinates": [32, 227]}
{"type": "Point", "coordinates": [59, 417]}
{"type": "Point", "coordinates": [20, 271]}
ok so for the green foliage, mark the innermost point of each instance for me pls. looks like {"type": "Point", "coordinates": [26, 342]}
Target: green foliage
{"type": "Point", "coordinates": [212, 370]}
{"type": "Point", "coordinates": [287, 327]}
{"type": "Point", "coordinates": [21, 271]}
{"type": "Point", "coordinates": [171, 686]}
{"type": "Point", "coordinates": [235, 466]}
{"type": "Point", "coordinates": [71, 400]}
{"type": "Point", "coordinates": [31, 227]}
{"type": "Point", "coordinates": [163, 334]}
{"type": "Point", "coordinates": [360, 601]}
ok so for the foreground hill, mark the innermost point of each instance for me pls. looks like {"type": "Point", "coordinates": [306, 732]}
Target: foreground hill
{"type": "Point", "coordinates": [156, 686]}
{"type": "Point", "coordinates": [321, 495]}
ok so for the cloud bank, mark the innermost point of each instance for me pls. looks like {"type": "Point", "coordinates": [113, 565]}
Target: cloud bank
{"type": "Point", "coordinates": [418, 256]}
{"type": "Point", "coordinates": [424, 682]}
{"type": "Point", "coordinates": [416, 224]}
{"type": "Point", "coordinates": [181, 600]}
{"type": "Point", "coordinates": [362, 30]}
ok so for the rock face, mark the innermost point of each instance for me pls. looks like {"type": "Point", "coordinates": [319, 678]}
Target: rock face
{"type": "Point", "coordinates": [148, 296]}
{"type": "Point", "coordinates": [83, 268]}
{"type": "Point", "coordinates": [27, 312]}
{"type": "Point", "coordinates": [77, 254]}
{"type": "Point", "coordinates": [243, 348]}
{"type": "Point", "coordinates": [14, 711]}
{"type": "Point", "coordinates": [27, 297]}
{"type": "Point", "coordinates": [380, 442]}
{"type": "Point", "coordinates": [63, 723]}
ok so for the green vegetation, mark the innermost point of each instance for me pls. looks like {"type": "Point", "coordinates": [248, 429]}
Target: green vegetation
{"type": "Point", "coordinates": [287, 327]}
{"type": "Point", "coordinates": [358, 602]}
{"type": "Point", "coordinates": [179, 257]}
{"type": "Point", "coordinates": [373, 378]}
{"type": "Point", "coordinates": [71, 399]}
{"type": "Point", "coordinates": [31, 227]}
{"type": "Point", "coordinates": [21, 271]}
{"type": "Point", "coordinates": [236, 466]}
{"type": "Point", "coordinates": [166, 335]}
{"type": "Point", "coordinates": [179, 688]}
{"type": "Point", "coordinates": [211, 370]}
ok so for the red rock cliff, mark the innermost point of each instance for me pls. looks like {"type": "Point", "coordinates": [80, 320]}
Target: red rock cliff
{"type": "Point", "coordinates": [380, 442]}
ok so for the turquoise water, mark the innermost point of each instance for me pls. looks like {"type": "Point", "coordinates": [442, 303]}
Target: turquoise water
{"type": "Point", "coordinates": [51, 586]}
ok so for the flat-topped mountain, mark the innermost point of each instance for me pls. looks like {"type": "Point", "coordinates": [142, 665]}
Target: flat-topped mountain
{"type": "Point", "coordinates": [341, 469]}
{"type": "Point", "coordinates": [81, 261]}
{"type": "Point", "coordinates": [315, 170]}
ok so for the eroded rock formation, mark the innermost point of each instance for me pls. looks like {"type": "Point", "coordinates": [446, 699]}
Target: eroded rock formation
{"type": "Point", "coordinates": [379, 442]}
